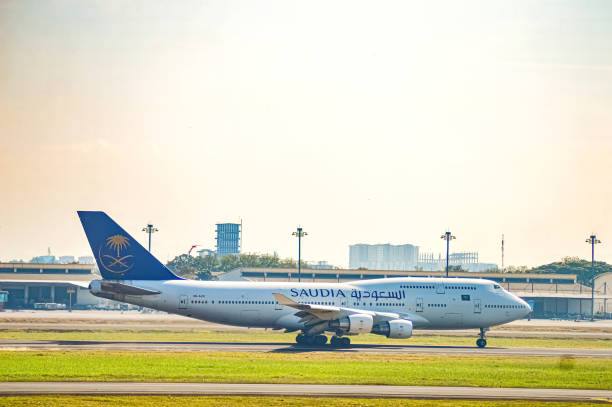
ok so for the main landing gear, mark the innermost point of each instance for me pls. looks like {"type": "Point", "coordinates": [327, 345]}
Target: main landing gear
{"type": "Point", "coordinates": [320, 340]}
{"type": "Point", "coordinates": [339, 341]}
{"type": "Point", "coordinates": [481, 342]}
{"type": "Point", "coordinates": [313, 340]}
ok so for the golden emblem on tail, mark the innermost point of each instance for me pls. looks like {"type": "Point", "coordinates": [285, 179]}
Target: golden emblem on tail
{"type": "Point", "coordinates": [113, 256]}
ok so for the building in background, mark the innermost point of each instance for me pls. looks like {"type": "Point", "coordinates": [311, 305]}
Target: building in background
{"type": "Point", "coordinates": [466, 260]}
{"type": "Point", "coordinates": [66, 259]}
{"type": "Point", "coordinates": [86, 260]}
{"type": "Point", "coordinates": [383, 256]}
{"type": "Point", "coordinates": [228, 239]}
{"type": "Point", "coordinates": [48, 259]}
{"type": "Point", "coordinates": [206, 252]}
{"type": "Point", "coordinates": [321, 265]}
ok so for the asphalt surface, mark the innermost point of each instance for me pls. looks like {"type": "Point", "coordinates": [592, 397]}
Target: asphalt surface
{"type": "Point", "coordinates": [127, 326]}
{"type": "Point", "coordinates": [305, 390]}
{"type": "Point", "coordinates": [271, 347]}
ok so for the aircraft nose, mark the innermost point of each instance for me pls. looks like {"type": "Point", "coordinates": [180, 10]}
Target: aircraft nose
{"type": "Point", "coordinates": [524, 306]}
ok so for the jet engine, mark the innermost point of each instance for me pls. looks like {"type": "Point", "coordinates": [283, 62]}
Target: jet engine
{"type": "Point", "coordinates": [396, 328]}
{"type": "Point", "coordinates": [95, 286]}
{"type": "Point", "coordinates": [353, 324]}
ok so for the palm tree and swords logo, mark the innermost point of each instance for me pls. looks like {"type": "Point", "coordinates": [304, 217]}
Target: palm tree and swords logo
{"type": "Point", "coordinates": [112, 256]}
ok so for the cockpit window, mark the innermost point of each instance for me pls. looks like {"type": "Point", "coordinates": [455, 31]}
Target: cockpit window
{"type": "Point", "coordinates": [496, 286]}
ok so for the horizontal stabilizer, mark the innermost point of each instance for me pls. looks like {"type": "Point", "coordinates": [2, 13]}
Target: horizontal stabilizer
{"type": "Point", "coordinates": [119, 288]}
{"type": "Point", "coordinates": [83, 284]}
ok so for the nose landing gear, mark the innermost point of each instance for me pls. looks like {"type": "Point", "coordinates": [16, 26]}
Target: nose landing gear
{"type": "Point", "coordinates": [481, 342]}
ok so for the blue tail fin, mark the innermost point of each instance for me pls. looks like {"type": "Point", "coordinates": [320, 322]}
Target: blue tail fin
{"type": "Point", "coordinates": [119, 255]}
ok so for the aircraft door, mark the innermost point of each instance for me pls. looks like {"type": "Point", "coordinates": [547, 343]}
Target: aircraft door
{"type": "Point", "coordinates": [440, 288]}
{"type": "Point", "coordinates": [477, 307]}
{"type": "Point", "coordinates": [419, 305]}
{"type": "Point", "coordinates": [182, 302]}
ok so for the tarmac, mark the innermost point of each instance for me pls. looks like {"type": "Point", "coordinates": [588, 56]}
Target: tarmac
{"type": "Point", "coordinates": [303, 390]}
{"type": "Point", "coordinates": [159, 321]}
{"type": "Point", "coordinates": [275, 347]}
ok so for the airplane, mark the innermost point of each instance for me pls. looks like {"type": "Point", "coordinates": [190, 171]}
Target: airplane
{"type": "Point", "coordinates": [391, 307]}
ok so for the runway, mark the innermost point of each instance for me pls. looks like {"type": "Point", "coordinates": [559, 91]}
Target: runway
{"type": "Point", "coordinates": [304, 390]}
{"type": "Point", "coordinates": [272, 347]}
{"type": "Point", "coordinates": [80, 326]}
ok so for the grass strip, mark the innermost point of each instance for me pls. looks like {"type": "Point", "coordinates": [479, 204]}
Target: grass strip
{"type": "Point", "coordinates": [170, 401]}
{"type": "Point", "coordinates": [263, 336]}
{"type": "Point", "coordinates": [316, 367]}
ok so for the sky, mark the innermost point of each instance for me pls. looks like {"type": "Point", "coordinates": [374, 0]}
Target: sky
{"type": "Point", "coordinates": [361, 121]}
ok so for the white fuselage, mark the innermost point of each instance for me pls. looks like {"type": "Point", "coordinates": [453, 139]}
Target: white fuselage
{"type": "Point", "coordinates": [430, 303]}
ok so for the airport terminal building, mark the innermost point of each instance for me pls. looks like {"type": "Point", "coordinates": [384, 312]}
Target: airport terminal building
{"type": "Point", "coordinates": [49, 286]}
{"type": "Point", "coordinates": [550, 295]}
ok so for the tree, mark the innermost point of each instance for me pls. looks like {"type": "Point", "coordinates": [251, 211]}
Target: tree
{"type": "Point", "coordinates": [203, 267]}
{"type": "Point", "coordinates": [516, 269]}
{"type": "Point", "coordinates": [187, 266]}
{"type": "Point", "coordinates": [574, 265]}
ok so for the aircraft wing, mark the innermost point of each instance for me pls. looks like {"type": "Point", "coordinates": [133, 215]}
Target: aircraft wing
{"type": "Point", "coordinates": [312, 314]}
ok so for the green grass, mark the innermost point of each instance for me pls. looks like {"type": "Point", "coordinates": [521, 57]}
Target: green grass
{"type": "Point", "coordinates": [169, 401]}
{"type": "Point", "coordinates": [316, 367]}
{"type": "Point", "coordinates": [270, 336]}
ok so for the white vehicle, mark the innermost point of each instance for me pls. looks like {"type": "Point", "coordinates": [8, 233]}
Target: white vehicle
{"type": "Point", "coordinates": [391, 307]}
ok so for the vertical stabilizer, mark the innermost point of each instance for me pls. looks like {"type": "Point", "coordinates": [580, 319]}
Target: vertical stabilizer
{"type": "Point", "coordinates": [119, 255]}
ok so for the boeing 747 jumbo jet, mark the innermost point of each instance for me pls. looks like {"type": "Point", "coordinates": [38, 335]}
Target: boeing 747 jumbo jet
{"type": "Point", "coordinates": [391, 307]}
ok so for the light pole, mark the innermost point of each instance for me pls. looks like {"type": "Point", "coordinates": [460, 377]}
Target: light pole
{"type": "Point", "coordinates": [502, 247]}
{"type": "Point", "coordinates": [592, 240]}
{"type": "Point", "coordinates": [448, 237]}
{"type": "Point", "coordinates": [149, 229]}
{"type": "Point", "coordinates": [299, 235]}
{"type": "Point", "coordinates": [70, 291]}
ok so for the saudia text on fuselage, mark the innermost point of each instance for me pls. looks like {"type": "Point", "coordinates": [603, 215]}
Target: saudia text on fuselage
{"type": "Point", "coordinates": [357, 294]}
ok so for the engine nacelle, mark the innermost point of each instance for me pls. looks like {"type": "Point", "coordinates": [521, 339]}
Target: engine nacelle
{"type": "Point", "coordinates": [95, 286]}
{"type": "Point", "coordinates": [354, 324]}
{"type": "Point", "coordinates": [396, 328]}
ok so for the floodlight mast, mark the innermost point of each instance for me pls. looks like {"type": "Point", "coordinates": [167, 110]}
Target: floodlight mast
{"type": "Point", "coordinates": [300, 233]}
{"type": "Point", "coordinates": [448, 237]}
{"type": "Point", "coordinates": [592, 240]}
{"type": "Point", "coordinates": [149, 229]}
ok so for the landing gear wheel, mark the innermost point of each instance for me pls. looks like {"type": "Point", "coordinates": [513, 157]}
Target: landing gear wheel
{"type": "Point", "coordinates": [482, 342]}
{"type": "Point", "coordinates": [339, 341]}
{"type": "Point", "coordinates": [320, 340]}
{"type": "Point", "coordinates": [301, 339]}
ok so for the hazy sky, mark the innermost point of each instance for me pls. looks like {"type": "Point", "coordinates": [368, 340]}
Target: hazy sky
{"type": "Point", "coordinates": [364, 122]}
